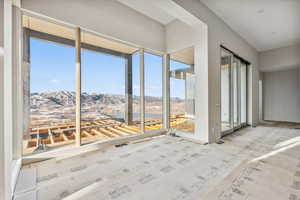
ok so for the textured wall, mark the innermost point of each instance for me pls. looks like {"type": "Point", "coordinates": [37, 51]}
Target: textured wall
{"type": "Point", "coordinates": [282, 96]}
{"type": "Point", "coordinates": [279, 59]}
{"type": "Point", "coordinates": [1, 98]}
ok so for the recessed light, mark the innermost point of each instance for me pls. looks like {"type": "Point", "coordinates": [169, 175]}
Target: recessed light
{"type": "Point", "coordinates": [260, 11]}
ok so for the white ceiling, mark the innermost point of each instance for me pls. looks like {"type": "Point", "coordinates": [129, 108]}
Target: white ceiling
{"type": "Point", "coordinates": [185, 56]}
{"type": "Point", "coordinates": [264, 24]}
{"type": "Point", "coordinates": [146, 7]}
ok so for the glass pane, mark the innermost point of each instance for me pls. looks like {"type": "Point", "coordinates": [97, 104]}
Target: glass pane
{"type": "Point", "coordinates": [243, 70]}
{"type": "Point", "coordinates": [226, 91]}
{"type": "Point", "coordinates": [182, 103]}
{"type": "Point", "coordinates": [136, 87]}
{"type": "Point", "coordinates": [233, 91]}
{"type": "Point", "coordinates": [102, 97]}
{"type": "Point", "coordinates": [153, 92]}
{"type": "Point", "coordinates": [106, 100]}
{"type": "Point", "coordinates": [235, 102]}
{"type": "Point", "coordinates": [52, 96]}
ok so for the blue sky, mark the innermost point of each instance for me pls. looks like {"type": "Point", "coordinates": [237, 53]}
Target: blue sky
{"type": "Point", "coordinates": [53, 69]}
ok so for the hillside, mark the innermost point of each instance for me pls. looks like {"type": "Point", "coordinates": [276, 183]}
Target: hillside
{"type": "Point", "coordinates": [56, 107]}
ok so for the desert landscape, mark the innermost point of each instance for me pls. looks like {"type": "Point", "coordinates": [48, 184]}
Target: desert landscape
{"type": "Point", "coordinates": [51, 108]}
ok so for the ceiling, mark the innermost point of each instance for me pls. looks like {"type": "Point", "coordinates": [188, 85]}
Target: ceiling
{"type": "Point", "coordinates": [149, 9]}
{"type": "Point", "coordinates": [62, 31]}
{"type": "Point", "coordinates": [185, 56]}
{"type": "Point", "coordinates": [264, 24]}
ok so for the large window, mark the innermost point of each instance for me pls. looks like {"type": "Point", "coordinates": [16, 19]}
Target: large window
{"type": "Point", "coordinates": [109, 96]}
{"type": "Point", "coordinates": [102, 92]}
{"type": "Point", "coordinates": [153, 92]}
{"type": "Point", "coordinates": [235, 91]}
{"type": "Point", "coordinates": [243, 91]}
{"type": "Point", "coordinates": [182, 101]}
{"type": "Point", "coordinates": [136, 87]}
{"type": "Point", "coordinates": [226, 91]}
{"type": "Point", "coordinates": [52, 95]}
{"type": "Point", "coordinates": [102, 95]}
{"type": "Point", "coordinates": [85, 88]}
{"type": "Point", "coordinates": [98, 86]}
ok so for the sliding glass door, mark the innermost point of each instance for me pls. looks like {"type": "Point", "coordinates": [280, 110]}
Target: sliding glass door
{"type": "Point", "coordinates": [226, 91]}
{"type": "Point", "coordinates": [243, 89]}
{"type": "Point", "coordinates": [153, 91]}
{"type": "Point", "coordinates": [233, 92]}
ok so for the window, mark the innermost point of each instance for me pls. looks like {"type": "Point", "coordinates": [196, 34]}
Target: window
{"type": "Point", "coordinates": [102, 95]}
{"type": "Point", "coordinates": [109, 79]}
{"type": "Point", "coordinates": [136, 88]}
{"type": "Point", "coordinates": [182, 100]}
{"type": "Point", "coordinates": [243, 92]}
{"type": "Point", "coordinates": [52, 95]}
{"type": "Point", "coordinates": [108, 82]}
{"type": "Point", "coordinates": [153, 92]}
{"type": "Point", "coordinates": [226, 91]}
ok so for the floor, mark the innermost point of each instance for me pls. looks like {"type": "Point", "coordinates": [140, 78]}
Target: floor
{"type": "Point", "coordinates": [253, 164]}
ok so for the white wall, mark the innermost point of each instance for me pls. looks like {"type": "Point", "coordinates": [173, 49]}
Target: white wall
{"type": "Point", "coordinates": [282, 96]}
{"type": "Point", "coordinates": [1, 104]}
{"type": "Point", "coordinates": [106, 17]}
{"type": "Point", "coordinates": [299, 71]}
{"type": "Point", "coordinates": [221, 34]}
{"type": "Point", "coordinates": [281, 83]}
{"type": "Point", "coordinates": [186, 32]}
{"type": "Point", "coordinates": [6, 127]}
{"type": "Point", "coordinates": [179, 36]}
{"type": "Point", "coordinates": [279, 59]}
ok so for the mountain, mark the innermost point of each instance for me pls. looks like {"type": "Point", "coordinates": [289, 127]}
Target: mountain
{"type": "Point", "coordinates": [67, 98]}
{"type": "Point", "coordinates": [50, 108]}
